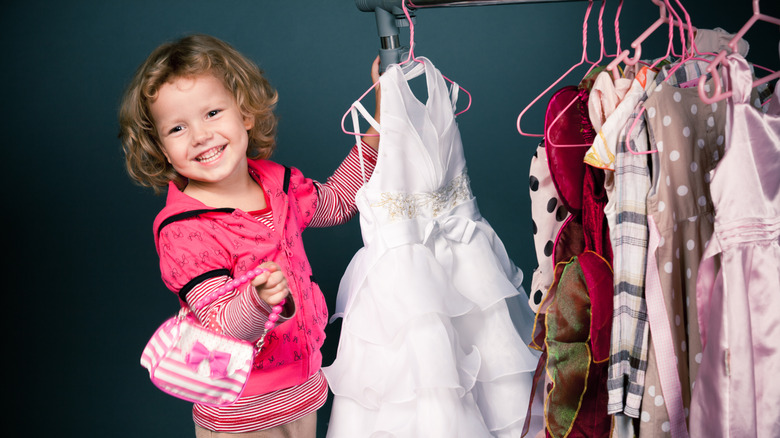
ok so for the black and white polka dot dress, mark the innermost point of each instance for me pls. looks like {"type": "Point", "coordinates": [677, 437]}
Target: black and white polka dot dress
{"type": "Point", "coordinates": [548, 215]}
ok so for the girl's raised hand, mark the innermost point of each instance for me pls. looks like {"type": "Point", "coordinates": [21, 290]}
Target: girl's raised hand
{"type": "Point", "coordinates": [272, 285]}
{"type": "Point", "coordinates": [372, 138]}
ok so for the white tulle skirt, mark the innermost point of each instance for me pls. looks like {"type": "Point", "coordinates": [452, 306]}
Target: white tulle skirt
{"type": "Point", "coordinates": [428, 347]}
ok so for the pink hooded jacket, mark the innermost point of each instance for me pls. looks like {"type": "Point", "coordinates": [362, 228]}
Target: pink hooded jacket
{"type": "Point", "coordinates": [196, 242]}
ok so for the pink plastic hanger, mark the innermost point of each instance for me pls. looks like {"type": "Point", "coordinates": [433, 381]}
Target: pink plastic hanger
{"type": "Point", "coordinates": [719, 95]}
{"type": "Point", "coordinates": [617, 29]}
{"type": "Point", "coordinates": [695, 49]}
{"type": "Point", "coordinates": [664, 17]}
{"type": "Point", "coordinates": [602, 54]}
{"type": "Point", "coordinates": [637, 43]}
{"type": "Point", "coordinates": [582, 61]}
{"type": "Point", "coordinates": [409, 58]}
{"type": "Point", "coordinates": [685, 28]}
{"type": "Point", "coordinates": [688, 25]}
{"type": "Point", "coordinates": [691, 30]}
{"type": "Point", "coordinates": [676, 21]}
{"type": "Point", "coordinates": [672, 20]}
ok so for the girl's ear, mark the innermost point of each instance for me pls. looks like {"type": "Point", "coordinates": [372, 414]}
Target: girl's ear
{"type": "Point", "coordinates": [249, 122]}
{"type": "Point", "coordinates": [164, 152]}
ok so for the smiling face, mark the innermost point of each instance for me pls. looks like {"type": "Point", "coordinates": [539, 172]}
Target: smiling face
{"type": "Point", "coordinates": [202, 132]}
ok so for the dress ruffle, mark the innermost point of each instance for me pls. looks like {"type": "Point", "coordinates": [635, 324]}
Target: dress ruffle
{"type": "Point", "coordinates": [431, 339]}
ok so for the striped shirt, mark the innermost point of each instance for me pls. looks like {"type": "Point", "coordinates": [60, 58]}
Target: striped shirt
{"type": "Point", "coordinates": [264, 411]}
{"type": "Point", "coordinates": [335, 205]}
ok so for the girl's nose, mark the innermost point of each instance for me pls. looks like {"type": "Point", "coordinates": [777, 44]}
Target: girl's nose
{"type": "Point", "coordinates": [201, 133]}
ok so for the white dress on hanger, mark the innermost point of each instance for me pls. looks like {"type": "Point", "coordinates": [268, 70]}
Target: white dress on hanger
{"type": "Point", "coordinates": [428, 347]}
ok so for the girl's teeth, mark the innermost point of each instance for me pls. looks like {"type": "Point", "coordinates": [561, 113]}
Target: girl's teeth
{"type": "Point", "coordinates": [211, 155]}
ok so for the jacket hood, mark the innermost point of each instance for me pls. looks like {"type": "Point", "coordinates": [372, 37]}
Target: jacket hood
{"type": "Point", "coordinates": [177, 202]}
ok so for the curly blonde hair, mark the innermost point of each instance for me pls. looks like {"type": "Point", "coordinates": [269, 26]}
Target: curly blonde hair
{"type": "Point", "coordinates": [190, 56]}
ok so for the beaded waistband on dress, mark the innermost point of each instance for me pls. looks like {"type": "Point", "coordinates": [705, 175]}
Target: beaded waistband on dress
{"type": "Point", "coordinates": [403, 205]}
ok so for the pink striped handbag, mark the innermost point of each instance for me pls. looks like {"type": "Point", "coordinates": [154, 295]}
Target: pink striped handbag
{"type": "Point", "coordinates": [193, 363]}
{"type": "Point", "coordinates": [200, 365]}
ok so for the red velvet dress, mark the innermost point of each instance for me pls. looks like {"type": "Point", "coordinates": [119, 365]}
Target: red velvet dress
{"type": "Point", "coordinates": [573, 325]}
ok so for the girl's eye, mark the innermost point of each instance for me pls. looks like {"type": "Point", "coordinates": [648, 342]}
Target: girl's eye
{"type": "Point", "coordinates": [213, 113]}
{"type": "Point", "coordinates": [175, 129]}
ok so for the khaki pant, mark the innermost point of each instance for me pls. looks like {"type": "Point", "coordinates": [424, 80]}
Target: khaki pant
{"type": "Point", "coordinates": [305, 427]}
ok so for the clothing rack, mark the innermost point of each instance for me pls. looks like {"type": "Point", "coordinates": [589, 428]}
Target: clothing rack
{"type": "Point", "coordinates": [370, 5]}
{"type": "Point", "coordinates": [390, 16]}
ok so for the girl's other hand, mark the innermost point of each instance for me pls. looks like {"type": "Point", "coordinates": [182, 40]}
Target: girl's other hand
{"type": "Point", "coordinates": [271, 286]}
{"type": "Point", "coordinates": [375, 71]}
{"type": "Point", "coordinates": [373, 139]}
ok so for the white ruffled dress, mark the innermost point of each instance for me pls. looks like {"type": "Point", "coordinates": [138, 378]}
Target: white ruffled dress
{"type": "Point", "coordinates": [428, 347]}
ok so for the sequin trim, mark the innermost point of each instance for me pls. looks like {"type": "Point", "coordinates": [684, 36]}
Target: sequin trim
{"type": "Point", "coordinates": [400, 205]}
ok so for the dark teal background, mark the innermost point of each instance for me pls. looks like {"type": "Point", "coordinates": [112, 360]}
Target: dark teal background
{"type": "Point", "coordinates": [85, 293]}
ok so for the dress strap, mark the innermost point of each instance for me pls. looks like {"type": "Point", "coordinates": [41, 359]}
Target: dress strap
{"type": "Point", "coordinates": [357, 106]}
{"type": "Point", "coordinates": [433, 79]}
{"type": "Point", "coordinates": [454, 95]}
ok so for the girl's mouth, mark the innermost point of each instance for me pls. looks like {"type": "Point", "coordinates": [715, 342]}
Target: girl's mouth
{"type": "Point", "coordinates": [210, 155]}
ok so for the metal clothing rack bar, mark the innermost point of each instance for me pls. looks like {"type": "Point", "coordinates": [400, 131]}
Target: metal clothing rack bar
{"type": "Point", "coordinates": [370, 5]}
{"type": "Point", "coordinates": [390, 16]}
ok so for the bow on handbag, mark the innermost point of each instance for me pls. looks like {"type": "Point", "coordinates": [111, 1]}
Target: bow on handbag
{"type": "Point", "coordinates": [218, 360]}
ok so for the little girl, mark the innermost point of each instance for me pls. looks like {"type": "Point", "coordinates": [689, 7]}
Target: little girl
{"type": "Point", "coordinates": [198, 119]}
